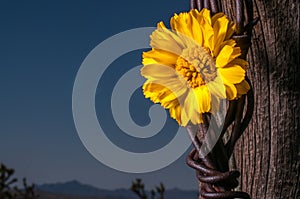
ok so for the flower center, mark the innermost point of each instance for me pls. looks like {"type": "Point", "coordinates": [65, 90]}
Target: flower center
{"type": "Point", "coordinates": [197, 66]}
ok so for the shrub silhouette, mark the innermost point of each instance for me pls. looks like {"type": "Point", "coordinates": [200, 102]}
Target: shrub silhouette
{"type": "Point", "coordinates": [139, 189]}
{"type": "Point", "coordinates": [9, 191]}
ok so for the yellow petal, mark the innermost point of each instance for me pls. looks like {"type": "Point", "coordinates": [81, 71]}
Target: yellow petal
{"type": "Point", "coordinates": [169, 104]}
{"type": "Point", "coordinates": [242, 88]}
{"type": "Point", "coordinates": [170, 83]}
{"type": "Point", "coordinates": [184, 117]}
{"type": "Point", "coordinates": [152, 91]}
{"type": "Point", "coordinates": [217, 87]}
{"type": "Point", "coordinates": [203, 99]}
{"type": "Point", "coordinates": [230, 27]}
{"type": "Point", "coordinates": [233, 74]}
{"type": "Point", "coordinates": [175, 113]}
{"type": "Point", "coordinates": [205, 14]}
{"type": "Point", "coordinates": [162, 39]}
{"type": "Point", "coordinates": [179, 24]}
{"type": "Point", "coordinates": [190, 105]}
{"type": "Point", "coordinates": [231, 91]}
{"type": "Point", "coordinates": [196, 118]}
{"type": "Point", "coordinates": [175, 93]}
{"type": "Point", "coordinates": [243, 63]}
{"type": "Point", "coordinates": [158, 71]}
{"type": "Point", "coordinates": [164, 90]}
{"type": "Point", "coordinates": [158, 93]}
{"type": "Point", "coordinates": [217, 49]}
{"type": "Point", "coordinates": [182, 25]}
{"type": "Point", "coordinates": [169, 34]}
{"type": "Point", "coordinates": [220, 30]}
{"type": "Point", "coordinates": [197, 31]}
{"type": "Point", "coordinates": [230, 30]}
{"type": "Point", "coordinates": [161, 25]}
{"type": "Point", "coordinates": [227, 54]}
{"type": "Point", "coordinates": [156, 56]}
{"type": "Point", "coordinates": [216, 17]}
{"type": "Point", "coordinates": [208, 32]}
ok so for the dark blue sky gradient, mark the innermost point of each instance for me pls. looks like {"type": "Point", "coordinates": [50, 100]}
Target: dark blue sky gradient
{"type": "Point", "coordinates": [42, 45]}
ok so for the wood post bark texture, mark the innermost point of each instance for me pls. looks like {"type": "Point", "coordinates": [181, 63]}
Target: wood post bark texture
{"type": "Point", "coordinates": [268, 154]}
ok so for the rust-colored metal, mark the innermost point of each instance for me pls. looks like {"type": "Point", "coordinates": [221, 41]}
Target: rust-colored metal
{"type": "Point", "coordinates": [213, 170]}
{"type": "Point", "coordinates": [217, 181]}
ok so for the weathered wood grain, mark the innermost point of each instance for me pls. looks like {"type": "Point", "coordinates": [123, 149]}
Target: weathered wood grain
{"type": "Point", "coordinates": [268, 154]}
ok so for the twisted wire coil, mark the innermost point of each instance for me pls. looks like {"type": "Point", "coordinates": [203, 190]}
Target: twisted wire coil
{"type": "Point", "coordinates": [219, 182]}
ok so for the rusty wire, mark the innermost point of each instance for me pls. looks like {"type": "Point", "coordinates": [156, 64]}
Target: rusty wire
{"type": "Point", "coordinates": [216, 179]}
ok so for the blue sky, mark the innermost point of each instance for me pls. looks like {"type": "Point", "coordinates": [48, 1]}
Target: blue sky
{"type": "Point", "coordinates": [43, 44]}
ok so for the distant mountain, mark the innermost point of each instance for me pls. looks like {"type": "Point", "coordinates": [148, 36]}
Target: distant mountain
{"type": "Point", "coordinates": [77, 190]}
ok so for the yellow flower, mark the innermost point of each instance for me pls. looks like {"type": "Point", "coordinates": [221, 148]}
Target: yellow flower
{"type": "Point", "coordinates": [194, 65]}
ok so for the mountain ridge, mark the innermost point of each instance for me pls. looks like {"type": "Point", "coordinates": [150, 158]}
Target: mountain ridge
{"type": "Point", "coordinates": [74, 188]}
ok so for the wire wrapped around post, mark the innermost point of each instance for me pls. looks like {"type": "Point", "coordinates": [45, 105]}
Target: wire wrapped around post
{"type": "Point", "coordinates": [216, 179]}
